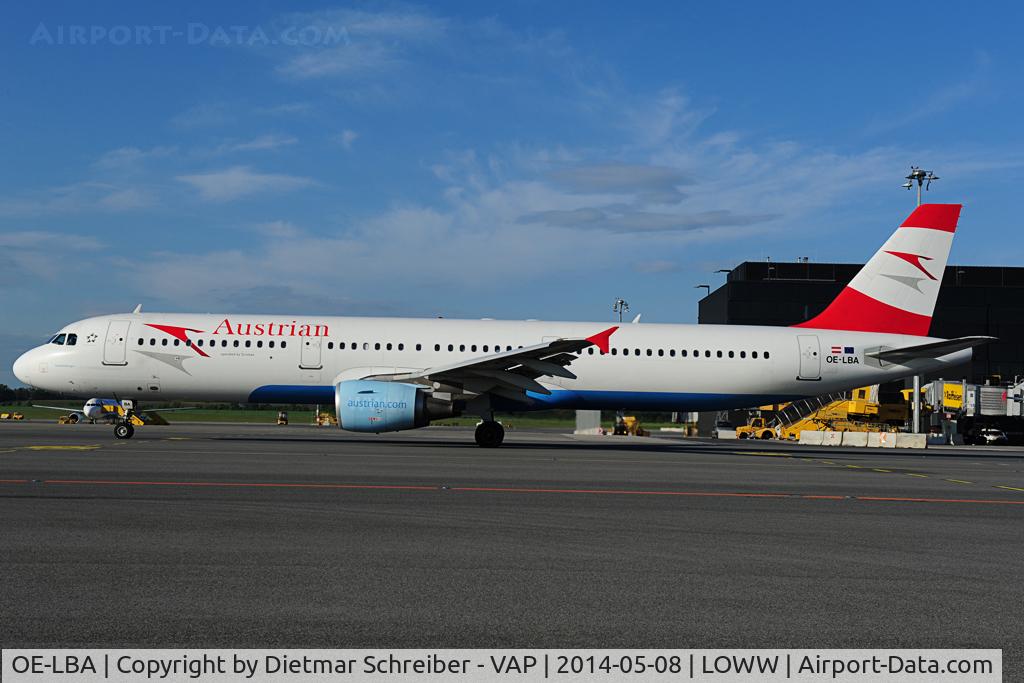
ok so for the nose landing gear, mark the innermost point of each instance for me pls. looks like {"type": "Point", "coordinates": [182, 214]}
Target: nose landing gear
{"type": "Point", "coordinates": [489, 434]}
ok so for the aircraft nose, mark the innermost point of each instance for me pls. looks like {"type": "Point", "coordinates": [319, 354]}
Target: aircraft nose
{"type": "Point", "coordinates": [21, 368]}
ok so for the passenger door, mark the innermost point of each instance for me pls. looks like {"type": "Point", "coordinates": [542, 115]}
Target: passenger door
{"type": "Point", "coordinates": [810, 357]}
{"type": "Point", "coordinates": [115, 347]}
{"type": "Point", "coordinates": [310, 358]}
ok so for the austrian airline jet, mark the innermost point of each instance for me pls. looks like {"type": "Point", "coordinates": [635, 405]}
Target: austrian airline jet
{"type": "Point", "coordinates": [389, 374]}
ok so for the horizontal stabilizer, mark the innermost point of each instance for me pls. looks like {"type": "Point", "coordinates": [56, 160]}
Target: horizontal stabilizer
{"type": "Point", "coordinates": [932, 350]}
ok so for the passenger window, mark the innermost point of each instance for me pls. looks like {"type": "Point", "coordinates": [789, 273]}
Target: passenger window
{"type": "Point", "coordinates": [615, 351]}
{"type": "Point", "coordinates": [732, 354]}
{"type": "Point", "coordinates": [284, 344]}
{"type": "Point", "coordinates": [451, 347]}
{"type": "Point", "coordinates": [152, 342]}
{"type": "Point", "coordinates": [661, 352]}
{"type": "Point", "coordinates": [766, 355]}
{"type": "Point", "coordinates": [462, 347]}
{"type": "Point", "coordinates": [366, 346]}
{"type": "Point", "coordinates": [163, 342]}
{"type": "Point", "coordinates": [330, 345]}
{"type": "Point", "coordinates": [341, 346]}
{"type": "Point", "coordinates": [681, 353]}
{"type": "Point", "coordinates": [177, 342]}
{"type": "Point", "coordinates": [591, 350]}
{"type": "Point", "coordinates": [743, 354]}
{"type": "Point", "coordinates": [141, 341]}
{"type": "Point", "coordinates": [649, 352]}
{"type": "Point", "coordinates": [419, 347]}
{"type": "Point", "coordinates": [248, 343]}
{"type": "Point", "coordinates": [270, 344]}
{"type": "Point", "coordinates": [696, 353]}
{"type": "Point", "coordinates": [485, 348]}
{"type": "Point", "coordinates": [753, 354]}
{"type": "Point", "coordinates": [200, 342]}
{"type": "Point", "coordinates": [376, 347]}
{"type": "Point", "coordinates": [388, 346]}
{"type": "Point", "coordinates": [473, 348]}
{"type": "Point", "coordinates": [707, 354]}
{"type": "Point", "coordinates": [719, 354]}
{"type": "Point", "coordinates": [188, 342]}
{"type": "Point", "coordinates": [625, 352]}
{"type": "Point", "coordinates": [235, 344]}
{"type": "Point", "coordinates": [259, 344]}
{"type": "Point", "coordinates": [401, 347]}
{"type": "Point", "coordinates": [672, 352]}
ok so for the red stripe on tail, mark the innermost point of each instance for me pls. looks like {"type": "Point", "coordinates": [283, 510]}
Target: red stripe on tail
{"type": "Point", "coordinates": [858, 312]}
{"type": "Point", "coordinates": [935, 217]}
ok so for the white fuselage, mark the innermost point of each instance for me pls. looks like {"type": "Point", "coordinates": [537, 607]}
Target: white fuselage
{"type": "Point", "coordinates": [279, 359]}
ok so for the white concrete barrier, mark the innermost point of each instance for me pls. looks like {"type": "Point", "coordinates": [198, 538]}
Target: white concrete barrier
{"type": "Point", "coordinates": [720, 433]}
{"type": "Point", "coordinates": [811, 437]}
{"type": "Point", "coordinates": [911, 441]}
{"type": "Point", "coordinates": [887, 440]}
{"type": "Point", "coordinates": [832, 439]}
{"type": "Point", "coordinates": [874, 440]}
{"type": "Point", "coordinates": [858, 439]}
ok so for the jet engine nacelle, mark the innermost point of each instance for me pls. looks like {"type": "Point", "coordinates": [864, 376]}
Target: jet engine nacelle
{"type": "Point", "coordinates": [375, 406]}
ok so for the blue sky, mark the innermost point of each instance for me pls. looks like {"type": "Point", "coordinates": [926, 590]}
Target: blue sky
{"type": "Point", "coordinates": [520, 160]}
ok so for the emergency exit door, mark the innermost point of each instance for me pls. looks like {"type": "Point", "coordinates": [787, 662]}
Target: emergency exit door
{"type": "Point", "coordinates": [115, 346]}
{"type": "Point", "coordinates": [810, 357]}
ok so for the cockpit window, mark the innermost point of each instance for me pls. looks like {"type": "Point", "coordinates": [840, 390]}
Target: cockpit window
{"type": "Point", "coordinates": [59, 339]}
{"type": "Point", "coordinates": [72, 339]}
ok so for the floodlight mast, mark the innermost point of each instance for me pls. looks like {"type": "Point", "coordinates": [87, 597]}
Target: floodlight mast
{"type": "Point", "coordinates": [922, 178]}
{"type": "Point", "coordinates": [620, 307]}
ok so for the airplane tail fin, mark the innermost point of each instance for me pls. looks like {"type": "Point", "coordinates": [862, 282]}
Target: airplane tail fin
{"type": "Point", "coordinates": [896, 290]}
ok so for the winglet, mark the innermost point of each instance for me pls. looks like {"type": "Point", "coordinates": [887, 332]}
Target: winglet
{"type": "Point", "coordinates": [600, 340]}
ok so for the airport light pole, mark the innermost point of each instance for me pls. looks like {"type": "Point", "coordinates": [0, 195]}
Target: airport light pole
{"type": "Point", "coordinates": [707, 289]}
{"type": "Point", "coordinates": [922, 178]}
{"type": "Point", "coordinates": [620, 307]}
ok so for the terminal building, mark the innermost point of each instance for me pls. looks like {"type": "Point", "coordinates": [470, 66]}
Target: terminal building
{"type": "Point", "coordinates": [973, 300]}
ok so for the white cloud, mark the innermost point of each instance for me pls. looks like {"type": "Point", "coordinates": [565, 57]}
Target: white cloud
{"type": "Point", "coordinates": [204, 115]}
{"type": "Point", "coordinates": [263, 142]}
{"type": "Point", "coordinates": [346, 138]}
{"type": "Point", "coordinates": [126, 158]}
{"type": "Point", "coordinates": [240, 181]}
{"type": "Point", "coordinates": [373, 42]}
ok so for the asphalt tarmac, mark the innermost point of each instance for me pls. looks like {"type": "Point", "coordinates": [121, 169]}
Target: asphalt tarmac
{"type": "Point", "coordinates": [265, 536]}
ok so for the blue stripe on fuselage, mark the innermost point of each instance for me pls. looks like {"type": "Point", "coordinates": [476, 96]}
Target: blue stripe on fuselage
{"type": "Point", "coordinates": [560, 398]}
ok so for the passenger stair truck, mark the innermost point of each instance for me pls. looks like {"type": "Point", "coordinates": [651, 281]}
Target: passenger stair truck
{"type": "Point", "coordinates": [858, 411]}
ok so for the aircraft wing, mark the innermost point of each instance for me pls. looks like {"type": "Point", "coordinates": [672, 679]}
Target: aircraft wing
{"type": "Point", "coordinates": [66, 409]}
{"type": "Point", "coordinates": [162, 410]}
{"type": "Point", "coordinates": [930, 350]}
{"type": "Point", "coordinates": [509, 374]}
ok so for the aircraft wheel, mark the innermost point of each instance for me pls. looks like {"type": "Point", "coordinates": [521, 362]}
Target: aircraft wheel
{"type": "Point", "coordinates": [124, 431]}
{"type": "Point", "coordinates": [489, 434]}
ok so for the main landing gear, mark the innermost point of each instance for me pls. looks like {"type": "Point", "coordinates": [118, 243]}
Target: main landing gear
{"type": "Point", "coordinates": [489, 434]}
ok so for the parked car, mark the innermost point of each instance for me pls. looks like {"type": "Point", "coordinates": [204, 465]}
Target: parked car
{"type": "Point", "coordinates": [989, 436]}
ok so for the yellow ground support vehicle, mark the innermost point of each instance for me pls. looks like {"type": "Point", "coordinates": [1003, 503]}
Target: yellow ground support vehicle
{"type": "Point", "coordinates": [757, 429]}
{"type": "Point", "coordinates": [11, 416]}
{"type": "Point", "coordinates": [860, 411]}
{"type": "Point", "coordinates": [629, 426]}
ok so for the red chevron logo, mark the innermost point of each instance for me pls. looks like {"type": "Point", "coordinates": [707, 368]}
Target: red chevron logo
{"type": "Point", "coordinates": [180, 333]}
{"type": "Point", "coordinates": [914, 260]}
